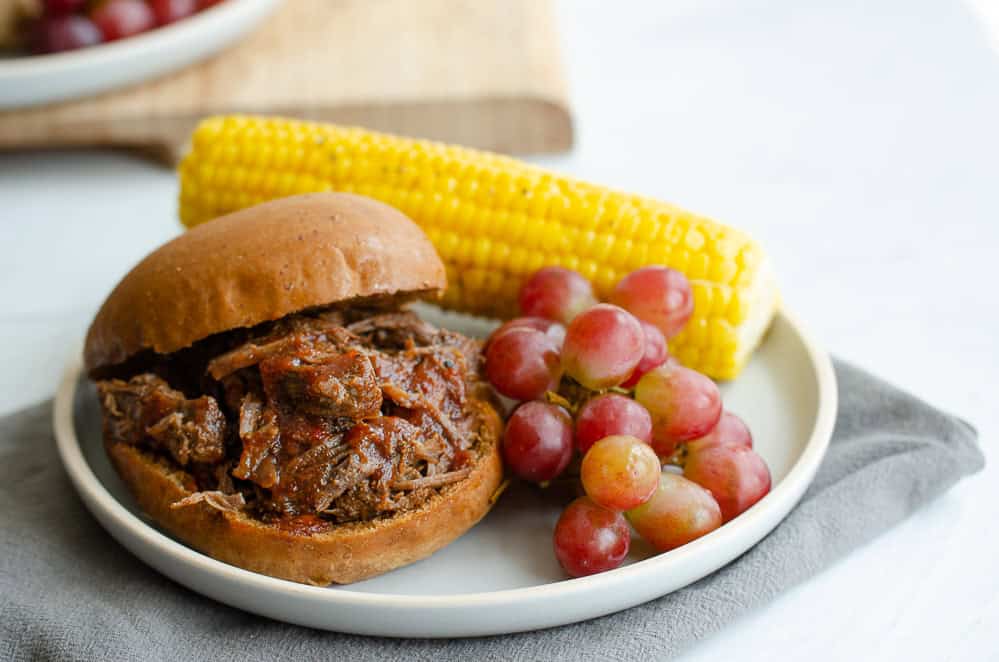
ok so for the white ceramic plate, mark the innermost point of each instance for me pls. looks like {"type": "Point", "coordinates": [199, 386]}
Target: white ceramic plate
{"type": "Point", "coordinates": [37, 79]}
{"type": "Point", "coordinates": [501, 576]}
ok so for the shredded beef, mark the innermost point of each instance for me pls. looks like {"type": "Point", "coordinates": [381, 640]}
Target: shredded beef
{"type": "Point", "coordinates": [395, 330]}
{"type": "Point", "coordinates": [218, 500]}
{"type": "Point", "coordinates": [261, 437]}
{"type": "Point", "coordinates": [341, 385]}
{"type": "Point", "coordinates": [348, 416]}
{"type": "Point", "coordinates": [313, 340]}
{"type": "Point", "coordinates": [146, 410]}
{"type": "Point", "coordinates": [381, 472]}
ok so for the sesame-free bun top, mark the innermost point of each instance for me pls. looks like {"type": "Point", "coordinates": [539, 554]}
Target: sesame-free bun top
{"type": "Point", "coordinates": [260, 264]}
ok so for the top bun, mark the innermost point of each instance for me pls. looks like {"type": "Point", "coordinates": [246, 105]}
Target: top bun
{"type": "Point", "coordinates": [260, 264]}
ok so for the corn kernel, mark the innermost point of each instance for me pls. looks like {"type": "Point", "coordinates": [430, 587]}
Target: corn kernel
{"type": "Point", "coordinates": [493, 220]}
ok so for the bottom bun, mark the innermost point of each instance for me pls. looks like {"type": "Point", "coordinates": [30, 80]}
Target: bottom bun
{"type": "Point", "coordinates": [319, 555]}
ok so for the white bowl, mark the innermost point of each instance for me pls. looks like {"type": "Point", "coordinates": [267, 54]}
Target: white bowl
{"type": "Point", "coordinates": [502, 575]}
{"type": "Point", "coordinates": [37, 79]}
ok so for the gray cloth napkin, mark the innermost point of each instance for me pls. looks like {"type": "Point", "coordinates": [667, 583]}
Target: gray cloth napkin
{"type": "Point", "coordinates": [69, 592]}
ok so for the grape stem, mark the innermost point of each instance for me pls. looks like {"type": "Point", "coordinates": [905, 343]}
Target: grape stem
{"type": "Point", "coordinates": [572, 395]}
{"type": "Point", "coordinates": [560, 400]}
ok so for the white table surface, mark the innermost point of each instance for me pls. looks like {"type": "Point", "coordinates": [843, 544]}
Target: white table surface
{"type": "Point", "coordinates": [858, 142]}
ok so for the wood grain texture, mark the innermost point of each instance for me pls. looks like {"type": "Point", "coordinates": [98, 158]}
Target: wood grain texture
{"type": "Point", "coordinates": [486, 74]}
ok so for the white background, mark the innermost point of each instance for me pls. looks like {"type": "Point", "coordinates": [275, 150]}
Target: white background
{"type": "Point", "coordinates": [858, 141]}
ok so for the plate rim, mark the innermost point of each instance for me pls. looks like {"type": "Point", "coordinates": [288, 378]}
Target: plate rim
{"type": "Point", "coordinates": [94, 494]}
{"type": "Point", "coordinates": [217, 20]}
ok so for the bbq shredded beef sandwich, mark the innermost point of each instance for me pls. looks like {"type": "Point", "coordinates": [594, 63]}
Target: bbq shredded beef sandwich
{"type": "Point", "coordinates": [268, 399]}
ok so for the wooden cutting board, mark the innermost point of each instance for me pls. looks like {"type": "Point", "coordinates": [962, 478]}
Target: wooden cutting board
{"type": "Point", "coordinates": [484, 73]}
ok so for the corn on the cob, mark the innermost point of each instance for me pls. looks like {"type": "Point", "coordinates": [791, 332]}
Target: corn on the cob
{"type": "Point", "coordinates": [494, 221]}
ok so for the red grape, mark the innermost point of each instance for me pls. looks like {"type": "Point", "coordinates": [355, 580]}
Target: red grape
{"type": "Point", "coordinates": [610, 414]}
{"type": "Point", "coordinates": [55, 7]}
{"type": "Point", "coordinates": [655, 354]}
{"type": "Point", "coordinates": [537, 444]}
{"type": "Point", "coordinates": [589, 539]}
{"type": "Point", "coordinates": [658, 295]}
{"type": "Point", "coordinates": [684, 405]}
{"type": "Point", "coordinates": [553, 330]}
{"type": "Point", "coordinates": [602, 346]}
{"type": "Point", "coordinates": [118, 19]}
{"type": "Point", "coordinates": [169, 11]}
{"type": "Point", "coordinates": [205, 4]}
{"type": "Point", "coordinates": [620, 472]}
{"type": "Point", "coordinates": [556, 293]}
{"type": "Point", "coordinates": [523, 363]}
{"type": "Point", "coordinates": [730, 431]}
{"type": "Point", "coordinates": [678, 512]}
{"type": "Point", "coordinates": [735, 475]}
{"type": "Point", "coordinates": [64, 33]}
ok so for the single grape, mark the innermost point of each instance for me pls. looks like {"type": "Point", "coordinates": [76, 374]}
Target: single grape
{"type": "Point", "coordinates": [537, 443]}
{"type": "Point", "coordinates": [118, 19]}
{"type": "Point", "coordinates": [655, 354]}
{"type": "Point", "coordinates": [684, 405]}
{"type": "Point", "coordinates": [658, 295]}
{"type": "Point", "coordinates": [56, 7]}
{"type": "Point", "coordinates": [730, 431]}
{"type": "Point", "coordinates": [170, 11]}
{"type": "Point", "coordinates": [678, 512]}
{"type": "Point", "coordinates": [736, 476]}
{"type": "Point", "coordinates": [589, 539]}
{"type": "Point", "coordinates": [523, 363]}
{"type": "Point", "coordinates": [602, 346]}
{"type": "Point", "coordinates": [556, 293]}
{"type": "Point", "coordinates": [611, 414]}
{"type": "Point", "coordinates": [550, 328]}
{"type": "Point", "coordinates": [620, 472]}
{"type": "Point", "coordinates": [55, 34]}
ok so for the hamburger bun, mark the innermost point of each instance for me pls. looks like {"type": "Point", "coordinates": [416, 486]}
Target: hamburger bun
{"type": "Point", "coordinates": [259, 265]}
{"type": "Point", "coordinates": [337, 554]}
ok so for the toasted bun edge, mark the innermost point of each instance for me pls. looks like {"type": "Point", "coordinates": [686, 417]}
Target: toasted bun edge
{"type": "Point", "coordinates": [346, 553]}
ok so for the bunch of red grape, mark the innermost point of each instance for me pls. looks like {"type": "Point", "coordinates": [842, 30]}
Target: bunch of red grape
{"type": "Point", "coordinates": [658, 451]}
{"type": "Point", "coordinates": [67, 25]}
